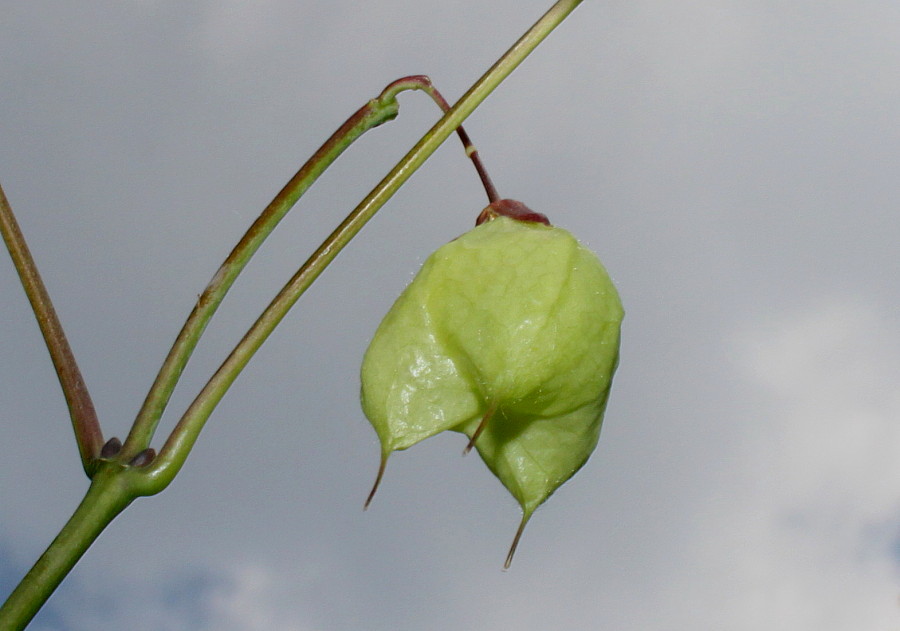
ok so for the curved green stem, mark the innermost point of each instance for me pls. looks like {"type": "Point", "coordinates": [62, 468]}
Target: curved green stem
{"type": "Point", "coordinates": [81, 408]}
{"type": "Point", "coordinates": [107, 497]}
{"type": "Point", "coordinates": [171, 458]}
{"type": "Point", "coordinates": [422, 82]}
{"type": "Point", "coordinates": [374, 113]}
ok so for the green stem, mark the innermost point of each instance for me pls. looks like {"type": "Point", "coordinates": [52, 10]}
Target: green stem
{"type": "Point", "coordinates": [160, 473]}
{"type": "Point", "coordinates": [374, 113]}
{"type": "Point", "coordinates": [107, 497]}
{"type": "Point", "coordinates": [81, 408]}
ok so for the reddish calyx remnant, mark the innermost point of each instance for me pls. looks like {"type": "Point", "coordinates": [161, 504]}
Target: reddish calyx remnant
{"type": "Point", "coordinates": [512, 209]}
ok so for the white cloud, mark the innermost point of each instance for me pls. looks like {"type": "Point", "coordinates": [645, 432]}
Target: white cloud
{"type": "Point", "coordinates": [248, 596]}
{"type": "Point", "coordinates": [805, 536]}
{"type": "Point", "coordinates": [249, 601]}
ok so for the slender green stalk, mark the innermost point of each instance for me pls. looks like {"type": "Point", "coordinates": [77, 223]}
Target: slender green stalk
{"type": "Point", "coordinates": [106, 498]}
{"type": "Point", "coordinates": [374, 113]}
{"type": "Point", "coordinates": [81, 408]}
{"type": "Point", "coordinates": [163, 469]}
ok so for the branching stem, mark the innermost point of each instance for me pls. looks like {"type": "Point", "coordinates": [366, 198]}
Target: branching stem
{"type": "Point", "coordinates": [172, 456]}
{"type": "Point", "coordinates": [121, 475]}
{"type": "Point", "coordinates": [374, 113]}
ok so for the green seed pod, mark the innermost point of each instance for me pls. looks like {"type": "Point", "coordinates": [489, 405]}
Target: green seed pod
{"type": "Point", "coordinates": [509, 334]}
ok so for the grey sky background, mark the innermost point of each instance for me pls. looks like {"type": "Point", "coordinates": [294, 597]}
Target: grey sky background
{"type": "Point", "coordinates": [735, 166]}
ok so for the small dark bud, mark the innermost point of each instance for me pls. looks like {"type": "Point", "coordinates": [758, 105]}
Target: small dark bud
{"type": "Point", "coordinates": [112, 447]}
{"type": "Point", "coordinates": [143, 458]}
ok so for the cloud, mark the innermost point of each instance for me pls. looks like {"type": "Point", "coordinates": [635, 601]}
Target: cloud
{"type": "Point", "coordinates": [805, 535]}
{"type": "Point", "coordinates": [247, 596]}
{"type": "Point", "coordinates": [252, 600]}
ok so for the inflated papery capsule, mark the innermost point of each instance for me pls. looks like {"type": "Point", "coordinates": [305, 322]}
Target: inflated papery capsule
{"type": "Point", "coordinates": [510, 335]}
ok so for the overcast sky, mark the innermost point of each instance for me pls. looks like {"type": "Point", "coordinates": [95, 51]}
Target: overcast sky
{"type": "Point", "coordinates": [736, 165]}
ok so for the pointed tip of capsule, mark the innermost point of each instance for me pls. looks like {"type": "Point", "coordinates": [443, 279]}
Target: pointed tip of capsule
{"type": "Point", "coordinates": [484, 420]}
{"type": "Point", "coordinates": [515, 542]}
{"type": "Point", "coordinates": [378, 477]}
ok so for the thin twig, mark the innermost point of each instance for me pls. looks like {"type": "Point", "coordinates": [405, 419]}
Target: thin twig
{"type": "Point", "coordinates": [374, 113]}
{"type": "Point", "coordinates": [81, 408]}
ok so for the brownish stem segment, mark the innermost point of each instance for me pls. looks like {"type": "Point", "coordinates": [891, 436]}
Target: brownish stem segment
{"type": "Point", "coordinates": [378, 477]}
{"type": "Point", "coordinates": [81, 408]}
{"type": "Point", "coordinates": [423, 82]}
{"type": "Point", "coordinates": [515, 543]}
{"type": "Point", "coordinates": [484, 421]}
